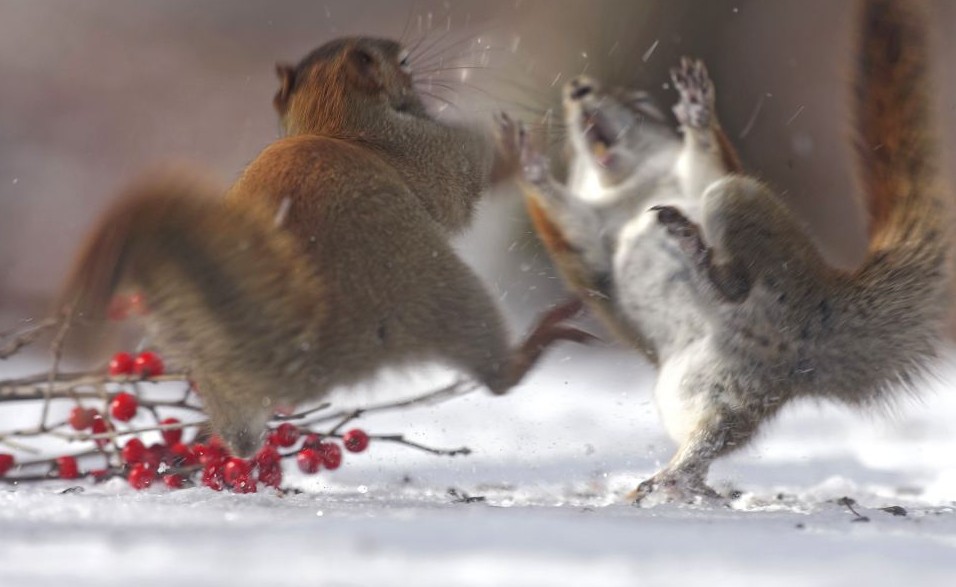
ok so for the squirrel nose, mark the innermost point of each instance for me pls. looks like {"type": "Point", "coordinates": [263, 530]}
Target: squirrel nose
{"type": "Point", "coordinates": [580, 88]}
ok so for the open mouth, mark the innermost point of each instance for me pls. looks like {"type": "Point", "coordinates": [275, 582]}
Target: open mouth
{"type": "Point", "coordinates": [600, 136]}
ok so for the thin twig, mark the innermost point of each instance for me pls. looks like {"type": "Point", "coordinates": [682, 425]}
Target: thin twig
{"type": "Point", "coordinates": [302, 414]}
{"type": "Point", "coordinates": [400, 439]}
{"type": "Point", "coordinates": [56, 350]}
{"type": "Point", "coordinates": [451, 391]}
{"type": "Point", "coordinates": [24, 337]}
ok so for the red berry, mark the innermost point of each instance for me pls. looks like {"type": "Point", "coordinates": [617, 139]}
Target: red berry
{"type": "Point", "coordinates": [181, 455]}
{"type": "Point", "coordinates": [156, 455]}
{"type": "Point", "coordinates": [355, 440]}
{"type": "Point", "coordinates": [313, 441]}
{"type": "Point", "coordinates": [308, 460]}
{"type": "Point", "coordinates": [6, 463]}
{"type": "Point", "coordinates": [99, 474]}
{"type": "Point", "coordinates": [244, 484]}
{"type": "Point", "coordinates": [148, 364]}
{"type": "Point", "coordinates": [285, 435]}
{"type": "Point", "coordinates": [133, 452]}
{"type": "Point", "coordinates": [121, 364]}
{"type": "Point", "coordinates": [267, 456]}
{"type": "Point", "coordinates": [173, 435]}
{"type": "Point", "coordinates": [81, 418]}
{"type": "Point", "coordinates": [173, 481]}
{"type": "Point", "coordinates": [212, 477]}
{"type": "Point", "coordinates": [124, 406]}
{"type": "Point", "coordinates": [141, 476]}
{"type": "Point", "coordinates": [67, 467]}
{"type": "Point", "coordinates": [234, 469]}
{"type": "Point", "coordinates": [271, 475]}
{"type": "Point", "coordinates": [100, 426]}
{"type": "Point", "coordinates": [331, 455]}
{"type": "Point", "coordinates": [210, 454]}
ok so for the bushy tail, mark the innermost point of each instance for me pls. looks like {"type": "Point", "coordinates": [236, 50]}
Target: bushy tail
{"type": "Point", "coordinates": [897, 146]}
{"type": "Point", "coordinates": [206, 268]}
{"type": "Point", "coordinates": [903, 289]}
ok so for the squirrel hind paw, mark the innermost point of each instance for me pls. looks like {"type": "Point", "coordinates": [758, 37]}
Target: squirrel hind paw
{"type": "Point", "coordinates": [667, 487]}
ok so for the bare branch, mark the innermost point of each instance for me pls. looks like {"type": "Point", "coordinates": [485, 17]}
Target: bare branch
{"type": "Point", "coordinates": [17, 339]}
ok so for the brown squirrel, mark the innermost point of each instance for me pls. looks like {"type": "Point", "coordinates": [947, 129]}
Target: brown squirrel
{"type": "Point", "coordinates": [328, 259]}
{"type": "Point", "coordinates": [719, 283]}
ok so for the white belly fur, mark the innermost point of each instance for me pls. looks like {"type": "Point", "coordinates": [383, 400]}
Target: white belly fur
{"type": "Point", "coordinates": [680, 413]}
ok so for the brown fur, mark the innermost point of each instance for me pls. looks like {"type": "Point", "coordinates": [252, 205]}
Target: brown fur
{"type": "Point", "coordinates": [327, 260]}
{"type": "Point", "coordinates": [580, 279]}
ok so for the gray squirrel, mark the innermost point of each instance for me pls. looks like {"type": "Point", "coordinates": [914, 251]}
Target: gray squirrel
{"type": "Point", "coordinates": [706, 272]}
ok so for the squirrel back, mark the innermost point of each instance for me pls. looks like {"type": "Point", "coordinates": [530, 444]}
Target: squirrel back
{"type": "Point", "coordinates": [326, 261]}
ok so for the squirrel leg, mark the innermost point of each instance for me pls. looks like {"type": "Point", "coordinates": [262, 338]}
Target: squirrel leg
{"type": "Point", "coordinates": [707, 153]}
{"type": "Point", "coordinates": [571, 229]}
{"type": "Point", "coordinates": [720, 430]}
{"type": "Point", "coordinates": [724, 426]}
{"type": "Point", "coordinates": [727, 281]}
{"type": "Point", "coordinates": [549, 329]}
{"type": "Point", "coordinates": [745, 232]}
{"type": "Point", "coordinates": [463, 326]}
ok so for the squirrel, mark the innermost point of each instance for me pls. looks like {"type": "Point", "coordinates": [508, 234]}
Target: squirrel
{"type": "Point", "coordinates": [719, 283]}
{"type": "Point", "coordinates": [624, 150]}
{"type": "Point", "coordinates": [328, 259]}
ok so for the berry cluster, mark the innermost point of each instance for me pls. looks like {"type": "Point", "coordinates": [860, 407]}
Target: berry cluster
{"type": "Point", "coordinates": [221, 471]}
{"type": "Point", "coordinates": [143, 365]}
{"type": "Point", "coordinates": [204, 460]}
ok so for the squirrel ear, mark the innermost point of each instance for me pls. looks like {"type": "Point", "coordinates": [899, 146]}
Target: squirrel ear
{"type": "Point", "coordinates": [286, 75]}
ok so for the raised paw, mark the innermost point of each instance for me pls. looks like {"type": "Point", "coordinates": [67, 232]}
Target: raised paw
{"type": "Point", "coordinates": [696, 105]}
{"type": "Point", "coordinates": [534, 164]}
{"type": "Point", "coordinates": [508, 133]}
{"type": "Point", "coordinates": [686, 233]}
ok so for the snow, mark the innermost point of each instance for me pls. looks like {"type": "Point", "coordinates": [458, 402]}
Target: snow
{"type": "Point", "coordinates": [552, 462]}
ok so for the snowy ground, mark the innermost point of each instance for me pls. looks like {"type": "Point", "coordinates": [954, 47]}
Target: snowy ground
{"type": "Point", "coordinates": [552, 462]}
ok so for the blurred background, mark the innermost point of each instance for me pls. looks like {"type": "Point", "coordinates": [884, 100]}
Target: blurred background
{"type": "Point", "coordinates": [94, 92]}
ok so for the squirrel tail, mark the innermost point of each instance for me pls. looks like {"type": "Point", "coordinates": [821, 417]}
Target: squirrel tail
{"type": "Point", "coordinates": [897, 147]}
{"type": "Point", "coordinates": [201, 264]}
{"type": "Point", "coordinates": [904, 286]}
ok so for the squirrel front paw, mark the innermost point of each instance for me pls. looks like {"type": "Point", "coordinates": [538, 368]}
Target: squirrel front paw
{"type": "Point", "coordinates": [696, 105]}
{"type": "Point", "coordinates": [507, 147]}
{"type": "Point", "coordinates": [533, 163]}
{"type": "Point", "coordinates": [686, 233]}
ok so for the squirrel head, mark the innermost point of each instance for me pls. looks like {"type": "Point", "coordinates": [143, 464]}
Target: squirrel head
{"type": "Point", "coordinates": [615, 130]}
{"type": "Point", "coordinates": [345, 87]}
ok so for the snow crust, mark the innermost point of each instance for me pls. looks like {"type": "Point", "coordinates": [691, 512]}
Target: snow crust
{"type": "Point", "coordinates": [552, 462]}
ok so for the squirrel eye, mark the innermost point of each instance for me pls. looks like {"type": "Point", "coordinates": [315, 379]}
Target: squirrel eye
{"type": "Point", "coordinates": [404, 61]}
{"type": "Point", "coordinates": [363, 57]}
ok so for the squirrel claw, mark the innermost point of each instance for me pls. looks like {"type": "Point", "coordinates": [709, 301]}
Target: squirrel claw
{"type": "Point", "coordinates": [669, 487]}
{"type": "Point", "coordinates": [533, 163]}
{"type": "Point", "coordinates": [693, 83]}
{"type": "Point", "coordinates": [508, 141]}
{"type": "Point", "coordinates": [686, 233]}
